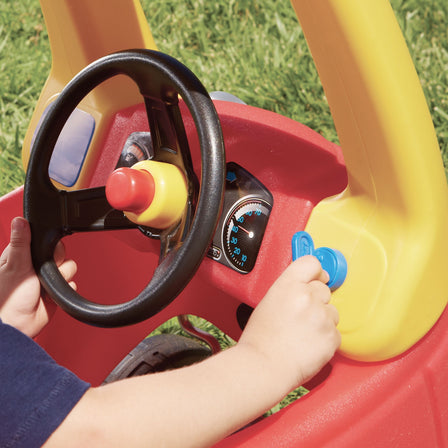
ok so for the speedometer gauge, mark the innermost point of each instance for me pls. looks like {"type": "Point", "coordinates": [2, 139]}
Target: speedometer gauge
{"type": "Point", "coordinates": [243, 232]}
{"type": "Point", "coordinates": [246, 209]}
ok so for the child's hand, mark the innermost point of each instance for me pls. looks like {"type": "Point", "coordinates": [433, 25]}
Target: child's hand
{"type": "Point", "coordinates": [290, 336]}
{"type": "Point", "coordinates": [294, 326]}
{"type": "Point", "coordinates": [21, 303]}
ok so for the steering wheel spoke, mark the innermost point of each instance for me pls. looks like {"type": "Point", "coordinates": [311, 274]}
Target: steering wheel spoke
{"type": "Point", "coordinates": [170, 141]}
{"type": "Point", "coordinates": [163, 130]}
{"type": "Point", "coordinates": [88, 210]}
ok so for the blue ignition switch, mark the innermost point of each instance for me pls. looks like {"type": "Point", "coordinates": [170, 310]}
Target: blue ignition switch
{"type": "Point", "coordinates": [331, 260]}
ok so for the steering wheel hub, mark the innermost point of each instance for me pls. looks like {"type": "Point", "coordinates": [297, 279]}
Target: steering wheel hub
{"type": "Point", "coordinates": [151, 193]}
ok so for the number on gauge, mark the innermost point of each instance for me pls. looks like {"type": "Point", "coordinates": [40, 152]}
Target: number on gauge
{"type": "Point", "coordinates": [243, 232]}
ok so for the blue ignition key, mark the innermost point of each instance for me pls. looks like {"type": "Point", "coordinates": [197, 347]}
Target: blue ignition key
{"type": "Point", "coordinates": [331, 260]}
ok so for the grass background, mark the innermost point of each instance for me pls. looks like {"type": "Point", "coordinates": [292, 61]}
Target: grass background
{"type": "Point", "coordinates": [254, 49]}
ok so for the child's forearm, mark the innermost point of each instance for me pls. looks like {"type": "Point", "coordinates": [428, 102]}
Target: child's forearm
{"type": "Point", "coordinates": [289, 337]}
{"type": "Point", "coordinates": [194, 406]}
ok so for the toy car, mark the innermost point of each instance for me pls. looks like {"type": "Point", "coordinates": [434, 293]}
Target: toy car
{"type": "Point", "coordinates": [253, 179]}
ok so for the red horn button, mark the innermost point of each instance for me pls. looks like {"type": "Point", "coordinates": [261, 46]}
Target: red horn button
{"type": "Point", "coordinates": [130, 190]}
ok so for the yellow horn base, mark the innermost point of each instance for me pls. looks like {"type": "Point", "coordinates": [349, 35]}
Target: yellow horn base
{"type": "Point", "coordinates": [170, 196]}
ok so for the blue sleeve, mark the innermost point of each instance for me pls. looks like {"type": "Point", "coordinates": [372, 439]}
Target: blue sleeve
{"type": "Point", "coordinates": [36, 394]}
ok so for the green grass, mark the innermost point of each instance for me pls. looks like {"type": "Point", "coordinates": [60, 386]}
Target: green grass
{"type": "Point", "coordinates": [425, 27]}
{"type": "Point", "coordinates": [251, 48]}
{"type": "Point", "coordinates": [24, 65]}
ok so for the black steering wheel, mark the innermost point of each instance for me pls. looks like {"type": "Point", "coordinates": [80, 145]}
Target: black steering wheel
{"type": "Point", "coordinates": [54, 213]}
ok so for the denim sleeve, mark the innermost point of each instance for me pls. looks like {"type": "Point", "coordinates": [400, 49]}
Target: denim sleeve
{"type": "Point", "coordinates": [36, 394]}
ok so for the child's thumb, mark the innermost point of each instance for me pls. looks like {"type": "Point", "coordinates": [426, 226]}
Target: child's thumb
{"type": "Point", "coordinates": [19, 256]}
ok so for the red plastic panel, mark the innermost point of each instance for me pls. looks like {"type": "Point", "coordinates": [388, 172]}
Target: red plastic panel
{"type": "Point", "coordinates": [297, 165]}
{"type": "Point", "coordinates": [399, 403]}
{"type": "Point", "coordinates": [403, 402]}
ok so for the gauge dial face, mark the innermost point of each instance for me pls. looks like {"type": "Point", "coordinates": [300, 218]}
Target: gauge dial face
{"type": "Point", "coordinates": [243, 232]}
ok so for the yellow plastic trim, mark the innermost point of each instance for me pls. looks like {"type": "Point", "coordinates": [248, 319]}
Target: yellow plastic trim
{"type": "Point", "coordinates": [170, 196]}
{"type": "Point", "coordinates": [81, 31]}
{"type": "Point", "coordinates": [392, 220]}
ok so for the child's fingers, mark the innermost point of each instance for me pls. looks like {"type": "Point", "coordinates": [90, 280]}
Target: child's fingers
{"type": "Point", "coordinates": [324, 277]}
{"type": "Point", "coordinates": [18, 252]}
{"type": "Point", "coordinates": [4, 257]}
{"type": "Point", "coordinates": [321, 290]}
{"type": "Point", "coordinates": [59, 253]}
{"type": "Point", "coordinates": [68, 270]}
{"type": "Point", "coordinates": [333, 312]}
{"type": "Point", "coordinates": [307, 269]}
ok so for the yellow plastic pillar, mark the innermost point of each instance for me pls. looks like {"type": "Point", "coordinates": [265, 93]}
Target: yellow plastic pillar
{"type": "Point", "coordinates": [391, 223]}
{"type": "Point", "coordinates": [81, 31]}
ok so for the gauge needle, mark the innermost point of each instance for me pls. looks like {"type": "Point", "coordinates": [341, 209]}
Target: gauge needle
{"type": "Point", "coordinates": [251, 234]}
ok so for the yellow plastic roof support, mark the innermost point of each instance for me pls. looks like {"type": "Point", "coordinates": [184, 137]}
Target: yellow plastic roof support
{"type": "Point", "coordinates": [391, 221]}
{"type": "Point", "coordinates": [81, 31]}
